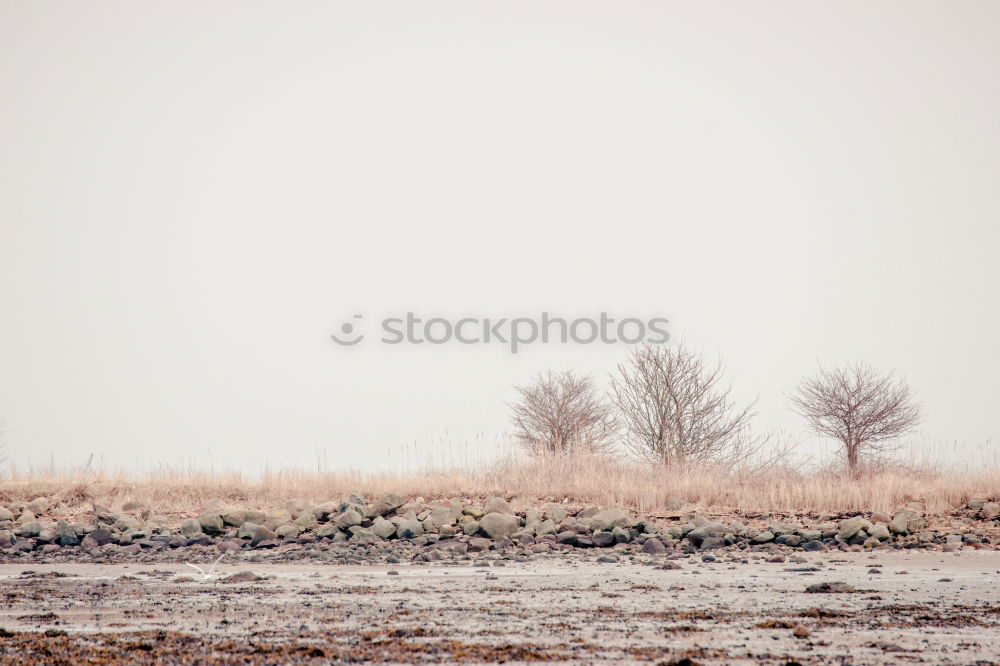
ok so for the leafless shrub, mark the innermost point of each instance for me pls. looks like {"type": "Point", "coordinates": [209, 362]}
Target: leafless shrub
{"type": "Point", "coordinates": [562, 412]}
{"type": "Point", "coordinates": [858, 406]}
{"type": "Point", "coordinates": [676, 410]}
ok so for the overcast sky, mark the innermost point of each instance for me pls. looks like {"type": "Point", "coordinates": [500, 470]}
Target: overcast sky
{"type": "Point", "coordinates": [194, 196]}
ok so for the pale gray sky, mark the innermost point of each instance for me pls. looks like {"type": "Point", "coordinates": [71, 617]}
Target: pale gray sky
{"type": "Point", "coordinates": [194, 195]}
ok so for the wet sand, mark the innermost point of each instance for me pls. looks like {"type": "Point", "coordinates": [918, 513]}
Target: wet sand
{"type": "Point", "coordinates": [905, 607]}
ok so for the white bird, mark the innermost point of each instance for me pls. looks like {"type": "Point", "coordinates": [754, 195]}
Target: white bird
{"type": "Point", "coordinates": [211, 569]}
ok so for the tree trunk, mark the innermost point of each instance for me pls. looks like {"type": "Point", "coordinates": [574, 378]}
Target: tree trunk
{"type": "Point", "coordinates": [852, 460]}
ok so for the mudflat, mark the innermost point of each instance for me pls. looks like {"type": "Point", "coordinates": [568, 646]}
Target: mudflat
{"type": "Point", "coordinates": [913, 606]}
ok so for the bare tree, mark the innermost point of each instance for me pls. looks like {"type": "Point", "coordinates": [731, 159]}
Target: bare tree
{"type": "Point", "coordinates": [562, 412]}
{"type": "Point", "coordinates": [858, 406]}
{"type": "Point", "coordinates": [676, 409]}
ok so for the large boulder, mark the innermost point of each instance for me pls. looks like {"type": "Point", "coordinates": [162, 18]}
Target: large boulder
{"type": "Point", "coordinates": [126, 522]}
{"type": "Point", "coordinates": [289, 531]}
{"type": "Point", "coordinates": [306, 521]}
{"type": "Point", "coordinates": [990, 510]}
{"type": "Point", "coordinates": [608, 519]}
{"type": "Point", "coordinates": [383, 528]}
{"type": "Point", "coordinates": [30, 530]}
{"type": "Point", "coordinates": [555, 512]}
{"type": "Point", "coordinates": [851, 527]}
{"type": "Point", "coordinates": [274, 519]}
{"type": "Point", "coordinates": [211, 523]}
{"type": "Point", "coordinates": [238, 517]}
{"type": "Point", "coordinates": [408, 528]}
{"type": "Point", "coordinates": [261, 534]}
{"type": "Point", "coordinates": [880, 532]}
{"type": "Point", "coordinates": [386, 504]}
{"type": "Point", "coordinates": [443, 515]}
{"type": "Point", "coordinates": [497, 525]}
{"type": "Point", "coordinates": [709, 529]}
{"type": "Point", "coordinates": [5, 514]}
{"type": "Point", "coordinates": [907, 521]}
{"type": "Point", "coordinates": [190, 527]}
{"type": "Point", "coordinates": [348, 519]}
{"type": "Point", "coordinates": [39, 505]}
{"type": "Point", "coordinates": [322, 511]}
{"type": "Point", "coordinates": [495, 504]}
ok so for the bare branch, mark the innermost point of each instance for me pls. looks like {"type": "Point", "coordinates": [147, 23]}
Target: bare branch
{"type": "Point", "coordinates": [859, 407]}
{"type": "Point", "coordinates": [562, 412]}
{"type": "Point", "coordinates": [676, 409]}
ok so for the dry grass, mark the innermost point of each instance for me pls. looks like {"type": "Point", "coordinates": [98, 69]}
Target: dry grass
{"type": "Point", "coordinates": [583, 481]}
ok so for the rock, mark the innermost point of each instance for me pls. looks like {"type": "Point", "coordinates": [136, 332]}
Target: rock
{"type": "Point", "coordinates": [190, 527]}
{"type": "Point", "coordinates": [990, 511]}
{"type": "Point", "coordinates": [329, 531]}
{"type": "Point", "coordinates": [836, 587]}
{"type": "Point", "coordinates": [712, 542]}
{"type": "Point", "coordinates": [306, 521]}
{"type": "Point", "coordinates": [547, 526]}
{"type": "Point", "coordinates": [608, 519]}
{"type": "Point", "coordinates": [408, 528]}
{"type": "Point", "coordinates": [603, 539]}
{"type": "Point", "coordinates": [383, 528]}
{"type": "Point", "coordinates": [764, 537]}
{"type": "Point", "coordinates": [880, 532]}
{"type": "Point", "coordinates": [348, 519]}
{"type": "Point", "coordinates": [38, 506]}
{"type": "Point", "coordinates": [851, 527]}
{"type": "Point", "coordinates": [809, 534]}
{"type": "Point", "coordinates": [242, 577]}
{"type": "Point", "coordinates": [479, 544]}
{"type": "Point", "coordinates": [474, 511]}
{"type": "Point", "coordinates": [443, 515]}
{"type": "Point", "coordinates": [30, 530]}
{"type": "Point", "coordinates": [132, 505]}
{"type": "Point", "coordinates": [799, 631]}
{"type": "Point", "coordinates": [274, 519]}
{"type": "Point", "coordinates": [880, 518]}
{"type": "Point", "coordinates": [607, 559]}
{"type": "Point", "coordinates": [555, 512]}
{"type": "Point", "coordinates": [813, 546]}
{"type": "Point", "coordinates": [239, 517]}
{"type": "Point", "coordinates": [976, 504]}
{"type": "Point", "coordinates": [260, 535]}
{"type": "Point", "coordinates": [100, 536]}
{"type": "Point", "coordinates": [470, 527]}
{"type": "Point", "coordinates": [495, 504]}
{"type": "Point", "coordinates": [246, 530]}
{"type": "Point", "coordinates": [126, 522]}
{"type": "Point", "coordinates": [386, 504]}
{"type": "Point", "coordinates": [211, 523]}
{"type": "Point", "coordinates": [907, 521]}
{"type": "Point", "coordinates": [778, 528]}
{"type": "Point", "coordinates": [653, 547]}
{"type": "Point", "coordinates": [621, 535]}
{"type": "Point", "coordinates": [362, 534]}
{"type": "Point", "coordinates": [496, 525]}
{"type": "Point", "coordinates": [104, 515]}
{"type": "Point", "coordinates": [286, 532]}
{"type": "Point", "coordinates": [5, 514]}
{"type": "Point", "coordinates": [322, 511]}
{"type": "Point", "coordinates": [699, 534]}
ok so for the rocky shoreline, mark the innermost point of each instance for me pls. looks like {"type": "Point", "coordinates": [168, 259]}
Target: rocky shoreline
{"type": "Point", "coordinates": [390, 528]}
